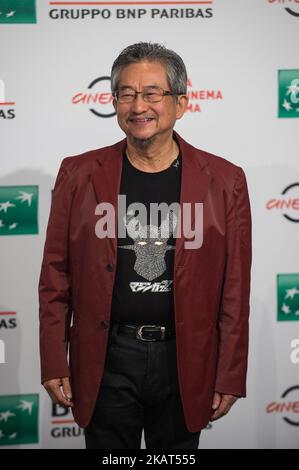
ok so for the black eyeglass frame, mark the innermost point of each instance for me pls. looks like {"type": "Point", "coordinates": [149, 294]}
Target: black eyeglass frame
{"type": "Point", "coordinates": [115, 95]}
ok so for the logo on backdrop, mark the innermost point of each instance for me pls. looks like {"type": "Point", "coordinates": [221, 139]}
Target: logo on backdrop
{"type": "Point", "coordinates": [288, 407]}
{"type": "Point", "coordinates": [8, 320]}
{"type": "Point", "coordinates": [198, 96]}
{"type": "Point", "coordinates": [17, 11]}
{"type": "Point", "coordinates": [291, 9]}
{"type": "Point", "coordinates": [83, 11]}
{"type": "Point", "coordinates": [7, 107]}
{"type": "Point", "coordinates": [18, 210]}
{"type": "Point", "coordinates": [288, 297]}
{"type": "Point", "coordinates": [97, 98]}
{"type": "Point", "coordinates": [19, 419]}
{"type": "Point", "coordinates": [63, 424]}
{"type": "Point", "coordinates": [294, 356]}
{"type": "Point", "coordinates": [288, 203]}
{"type": "Point", "coordinates": [8, 323]}
{"type": "Point", "coordinates": [288, 93]}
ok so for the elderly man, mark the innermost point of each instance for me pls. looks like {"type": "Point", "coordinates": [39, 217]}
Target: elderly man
{"type": "Point", "coordinates": [159, 335]}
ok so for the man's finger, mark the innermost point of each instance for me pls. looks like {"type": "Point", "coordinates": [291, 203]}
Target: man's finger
{"type": "Point", "coordinates": [67, 391]}
{"type": "Point", "coordinates": [222, 410]}
{"type": "Point", "coordinates": [216, 400]}
{"type": "Point", "coordinates": [53, 388]}
{"type": "Point", "coordinates": [227, 402]}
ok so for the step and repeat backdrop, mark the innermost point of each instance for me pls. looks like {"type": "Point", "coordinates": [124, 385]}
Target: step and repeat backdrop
{"type": "Point", "coordinates": [243, 83]}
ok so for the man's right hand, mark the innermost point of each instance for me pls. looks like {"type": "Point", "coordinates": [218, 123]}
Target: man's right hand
{"type": "Point", "coordinates": [60, 391]}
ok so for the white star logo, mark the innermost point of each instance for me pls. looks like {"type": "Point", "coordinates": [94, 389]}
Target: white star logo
{"type": "Point", "coordinates": [286, 105]}
{"type": "Point", "coordinates": [25, 197]}
{"type": "Point", "coordinates": [10, 14]}
{"type": "Point", "coordinates": [5, 415]}
{"type": "Point", "coordinates": [5, 205]}
{"type": "Point", "coordinates": [290, 293]}
{"type": "Point", "coordinates": [292, 89]}
{"type": "Point", "coordinates": [26, 405]}
{"type": "Point", "coordinates": [286, 309]}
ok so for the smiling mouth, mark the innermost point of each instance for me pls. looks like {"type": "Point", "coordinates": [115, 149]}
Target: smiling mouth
{"type": "Point", "coordinates": [141, 120]}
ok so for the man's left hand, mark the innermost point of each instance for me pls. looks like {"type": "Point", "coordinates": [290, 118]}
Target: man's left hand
{"type": "Point", "coordinates": [222, 404]}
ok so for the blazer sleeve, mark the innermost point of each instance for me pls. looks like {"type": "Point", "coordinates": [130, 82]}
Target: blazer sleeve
{"type": "Point", "coordinates": [233, 325]}
{"type": "Point", "coordinates": [54, 288]}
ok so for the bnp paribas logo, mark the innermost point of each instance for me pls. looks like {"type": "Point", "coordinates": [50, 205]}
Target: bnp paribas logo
{"type": "Point", "coordinates": [288, 297]}
{"type": "Point", "coordinates": [7, 107]}
{"type": "Point", "coordinates": [18, 419]}
{"type": "Point", "coordinates": [18, 210]}
{"type": "Point", "coordinates": [288, 84]}
{"type": "Point", "coordinates": [17, 11]}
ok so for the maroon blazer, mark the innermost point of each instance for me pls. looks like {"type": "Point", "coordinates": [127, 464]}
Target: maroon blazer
{"type": "Point", "coordinates": [211, 283]}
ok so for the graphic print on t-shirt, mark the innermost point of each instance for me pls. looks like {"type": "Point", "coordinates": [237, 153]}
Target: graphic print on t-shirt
{"type": "Point", "coordinates": [144, 278]}
{"type": "Point", "coordinates": [150, 244]}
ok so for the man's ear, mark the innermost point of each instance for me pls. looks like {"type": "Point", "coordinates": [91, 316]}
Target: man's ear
{"type": "Point", "coordinates": [181, 106]}
{"type": "Point", "coordinates": [114, 104]}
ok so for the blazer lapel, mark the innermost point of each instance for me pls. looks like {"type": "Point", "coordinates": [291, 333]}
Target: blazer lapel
{"type": "Point", "coordinates": [106, 181]}
{"type": "Point", "coordinates": [195, 182]}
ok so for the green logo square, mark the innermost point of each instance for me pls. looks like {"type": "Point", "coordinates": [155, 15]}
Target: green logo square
{"type": "Point", "coordinates": [18, 210]}
{"type": "Point", "coordinates": [19, 419]}
{"type": "Point", "coordinates": [288, 297]}
{"type": "Point", "coordinates": [288, 90]}
{"type": "Point", "coordinates": [17, 11]}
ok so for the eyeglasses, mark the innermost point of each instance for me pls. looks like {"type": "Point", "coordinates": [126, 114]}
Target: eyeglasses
{"type": "Point", "coordinates": [150, 94]}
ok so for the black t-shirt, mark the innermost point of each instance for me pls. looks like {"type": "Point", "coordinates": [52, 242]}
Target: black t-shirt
{"type": "Point", "coordinates": [143, 288]}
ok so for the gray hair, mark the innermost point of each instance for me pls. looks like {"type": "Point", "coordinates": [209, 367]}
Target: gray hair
{"type": "Point", "coordinates": [152, 52]}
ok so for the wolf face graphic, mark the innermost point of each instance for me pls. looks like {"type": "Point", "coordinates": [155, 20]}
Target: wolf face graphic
{"type": "Point", "coordinates": [150, 244]}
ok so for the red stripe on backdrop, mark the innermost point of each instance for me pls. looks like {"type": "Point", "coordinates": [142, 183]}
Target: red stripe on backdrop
{"type": "Point", "coordinates": [207, 2]}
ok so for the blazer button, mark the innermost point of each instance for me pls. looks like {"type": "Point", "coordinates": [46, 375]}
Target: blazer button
{"type": "Point", "coordinates": [104, 324]}
{"type": "Point", "coordinates": [109, 267]}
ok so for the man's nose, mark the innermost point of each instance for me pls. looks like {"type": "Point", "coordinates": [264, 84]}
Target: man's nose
{"type": "Point", "coordinates": [138, 104]}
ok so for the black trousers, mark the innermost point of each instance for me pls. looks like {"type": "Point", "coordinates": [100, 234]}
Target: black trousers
{"type": "Point", "coordinates": [139, 390]}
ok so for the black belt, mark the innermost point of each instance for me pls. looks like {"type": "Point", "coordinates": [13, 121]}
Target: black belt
{"type": "Point", "coordinates": [147, 332]}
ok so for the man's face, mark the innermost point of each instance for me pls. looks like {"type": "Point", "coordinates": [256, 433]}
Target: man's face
{"type": "Point", "coordinates": [141, 120]}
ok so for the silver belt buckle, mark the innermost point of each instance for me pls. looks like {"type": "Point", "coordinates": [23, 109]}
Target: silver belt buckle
{"type": "Point", "coordinates": [139, 332]}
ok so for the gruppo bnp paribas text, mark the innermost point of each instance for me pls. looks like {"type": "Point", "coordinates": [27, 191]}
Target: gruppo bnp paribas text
{"type": "Point", "coordinates": [129, 13]}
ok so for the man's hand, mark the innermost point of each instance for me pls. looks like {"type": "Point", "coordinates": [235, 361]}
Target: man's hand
{"type": "Point", "coordinates": [222, 404]}
{"type": "Point", "coordinates": [59, 391]}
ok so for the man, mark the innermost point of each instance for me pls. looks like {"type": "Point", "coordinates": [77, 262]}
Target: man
{"type": "Point", "coordinates": [159, 339]}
